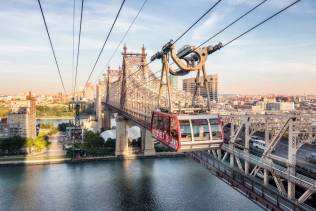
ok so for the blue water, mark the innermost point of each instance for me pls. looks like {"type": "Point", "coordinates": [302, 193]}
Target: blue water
{"type": "Point", "coordinates": [149, 184]}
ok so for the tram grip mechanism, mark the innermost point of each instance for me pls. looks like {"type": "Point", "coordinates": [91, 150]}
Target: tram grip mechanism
{"type": "Point", "coordinates": [184, 51]}
{"type": "Point", "coordinates": [211, 49]}
{"type": "Point", "coordinates": [157, 55]}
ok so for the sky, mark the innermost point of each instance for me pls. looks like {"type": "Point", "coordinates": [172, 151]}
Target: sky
{"type": "Point", "coordinates": [279, 57]}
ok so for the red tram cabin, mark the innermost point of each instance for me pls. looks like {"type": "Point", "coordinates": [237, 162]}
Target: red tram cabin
{"type": "Point", "coordinates": [184, 133]}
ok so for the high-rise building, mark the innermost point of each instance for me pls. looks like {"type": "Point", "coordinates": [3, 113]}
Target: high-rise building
{"type": "Point", "coordinates": [22, 118]}
{"type": "Point", "coordinates": [174, 81]}
{"type": "Point", "coordinates": [212, 83]}
{"type": "Point", "coordinates": [4, 130]}
{"type": "Point", "coordinates": [88, 93]}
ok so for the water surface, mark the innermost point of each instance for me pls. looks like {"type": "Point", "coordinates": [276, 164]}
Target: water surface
{"type": "Point", "coordinates": [149, 184]}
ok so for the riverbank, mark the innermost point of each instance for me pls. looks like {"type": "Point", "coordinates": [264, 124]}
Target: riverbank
{"type": "Point", "coordinates": [46, 160]}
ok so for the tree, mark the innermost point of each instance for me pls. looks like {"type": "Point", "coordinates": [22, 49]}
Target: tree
{"type": "Point", "coordinates": [62, 126]}
{"type": "Point", "coordinates": [29, 144]}
{"type": "Point", "coordinates": [93, 140]}
{"type": "Point", "coordinates": [41, 142]}
{"type": "Point", "coordinates": [12, 145]}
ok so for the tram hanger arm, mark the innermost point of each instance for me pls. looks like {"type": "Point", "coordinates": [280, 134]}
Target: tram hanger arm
{"type": "Point", "coordinates": [188, 66]}
{"type": "Point", "coordinates": [197, 55]}
{"type": "Point", "coordinates": [178, 72]}
{"type": "Point", "coordinates": [165, 50]}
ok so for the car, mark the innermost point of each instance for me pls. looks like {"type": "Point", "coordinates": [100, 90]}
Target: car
{"type": "Point", "coordinates": [311, 157]}
{"type": "Point", "coordinates": [258, 143]}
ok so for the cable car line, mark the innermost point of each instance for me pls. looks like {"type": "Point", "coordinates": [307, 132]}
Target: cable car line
{"type": "Point", "coordinates": [138, 84]}
{"type": "Point", "coordinates": [242, 34]}
{"type": "Point", "coordinates": [52, 47]}
{"type": "Point", "coordinates": [229, 25]}
{"type": "Point", "coordinates": [232, 23]}
{"type": "Point", "coordinates": [181, 132]}
{"type": "Point", "coordinates": [78, 49]}
{"type": "Point", "coordinates": [73, 43]}
{"type": "Point", "coordinates": [107, 37]}
{"type": "Point", "coordinates": [220, 45]}
{"type": "Point", "coordinates": [198, 20]}
{"type": "Point", "coordinates": [139, 69]}
{"type": "Point", "coordinates": [262, 22]}
{"type": "Point", "coordinates": [192, 132]}
{"type": "Point", "coordinates": [186, 31]}
{"type": "Point", "coordinates": [125, 35]}
{"type": "Point", "coordinates": [142, 84]}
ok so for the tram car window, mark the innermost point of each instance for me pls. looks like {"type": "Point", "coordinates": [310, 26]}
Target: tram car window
{"type": "Point", "coordinates": [200, 129]}
{"type": "Point", "coordinates": [183, 132]}
{"type": "Point", "coordinates": [216, 128]}
{"type": "Point", "coordinates": [173, 128]}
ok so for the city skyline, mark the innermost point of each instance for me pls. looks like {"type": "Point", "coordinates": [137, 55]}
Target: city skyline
{"type": "Point", "coordinates": [268, 60]}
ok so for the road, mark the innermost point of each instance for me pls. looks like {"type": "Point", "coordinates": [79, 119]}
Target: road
{"type": "Point", "coordinates": [301, 156]}
{"type": "Point", "coordinates": [282, 151]}
{"type": "Point", "coordinates": [54, 149]}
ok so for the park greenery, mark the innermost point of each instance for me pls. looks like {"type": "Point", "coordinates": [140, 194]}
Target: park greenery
{"type": "Point", "coordinates": [62, 126]}
{"type": "Point", "coordinates": [47, 129]}
{"type": "Point", "coordinates": [56, 110]}
{"type": "Point", "coordinates": [60, 110]}
{"type": "Point", "coordinates": [4, 110]}
{"type": "Point", "coordinates": [94, 145]}
{"type": "Point", "coordinates": [52, 110]}
{"type": "Point", "coordinates": [18, 145]}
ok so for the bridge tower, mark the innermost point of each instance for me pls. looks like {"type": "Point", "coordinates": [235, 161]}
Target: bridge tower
{"type": "Point", "coordinates": [132, 62]}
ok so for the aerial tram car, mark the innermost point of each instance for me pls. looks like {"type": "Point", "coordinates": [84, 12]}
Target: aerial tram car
{"type": "Point", "coordinates": [180, 131]}
{"type": "Point", "coordinates": [187, 132]}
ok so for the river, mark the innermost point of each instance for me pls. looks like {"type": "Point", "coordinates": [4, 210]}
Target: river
{"type": "Point", "coordinates": [148, 184]}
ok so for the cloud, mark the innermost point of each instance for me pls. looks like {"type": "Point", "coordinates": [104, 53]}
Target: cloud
{"type": "Point", "coordinates": [215, 20]}
{"type": "Point", "coordinates": [206, 27]}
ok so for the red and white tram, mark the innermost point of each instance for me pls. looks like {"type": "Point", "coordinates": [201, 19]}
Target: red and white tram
{"type": "Point", "coordinates": [184, 132]}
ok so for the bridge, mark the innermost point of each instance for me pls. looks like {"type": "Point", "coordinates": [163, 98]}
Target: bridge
{"type": "Point", "coordinates": [133, 92]}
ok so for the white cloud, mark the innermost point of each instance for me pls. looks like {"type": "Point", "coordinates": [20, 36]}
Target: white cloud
{"type": "Point", "coordinates": [205, 28]}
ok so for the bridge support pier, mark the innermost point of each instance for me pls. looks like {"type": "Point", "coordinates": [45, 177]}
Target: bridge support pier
{"type": "Point", "coordinates": [121, 145]}
{"type": "Point", "coordinates": [147, 142]}
{"type": "Point", "coordinates": [107, 119]}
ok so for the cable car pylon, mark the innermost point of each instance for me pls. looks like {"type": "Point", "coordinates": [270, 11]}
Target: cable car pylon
{"type": "Point", "coordinates": [186, 132]}
{"type": "Point", "coordinates": [187, 59]}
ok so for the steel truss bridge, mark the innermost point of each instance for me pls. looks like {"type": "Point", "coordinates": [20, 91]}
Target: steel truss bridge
{"type": "Point", "coordinates": [133, 91]}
